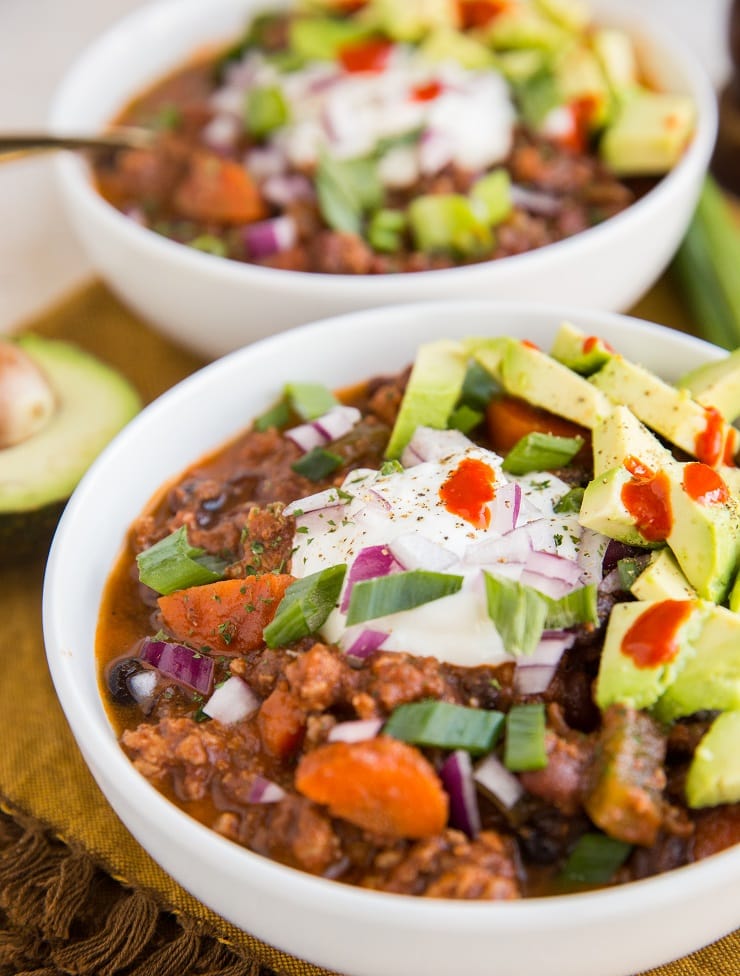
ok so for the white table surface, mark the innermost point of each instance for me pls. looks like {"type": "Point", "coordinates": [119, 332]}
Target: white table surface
{"type": "Point", "coordinates": [39, 257]}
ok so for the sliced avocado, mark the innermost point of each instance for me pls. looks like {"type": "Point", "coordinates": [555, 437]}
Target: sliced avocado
{"type": "Point", "coordinates": [662, 579]}
{"type": "Point", "coordinates": [620, 680]}
{"type": "Point", "coordinates": [649, 134]}
{"type": "Point", "coordinates": [710, 679]}
{"type": "Point", "coordinates": [320, 38]}
{"type": "Point", "coordinates": [579, 76]}
{"type": "Point", "coordinates": [714, 773]}
{"type": "Point", "coordinates": [432, 391]}
{"type": "Point", "coordinates": [413, 19]}
{"type": "Point", "coordinates": [488, 353]}
{"type": "Point", "coordinates": [519, 26]}
{"type": "Point", "coordinates": [573, 15]}
{"type": "Point", "coordinates": [519, 66]}
{"type": "Point", "coordinates": [580, 352]}
{"type": "Point", "coordinates": [666, 410]}
{"type": "Point", "coordinates": [734, 598]}
{"type": "Point", "coordinates": [531, 374]}
{"type": "Point", "coordinates": [620, 436]}
{"type": "Point", "coordinates": [92, 403]}
{"type": "Point", "coordinates": [703, 536]}
{"type": "Point", "coordinates": [493, 193]}
{"type": "Point", "coordinates": [616, 54]}
{"type": "Point", "coordinates": [447, 44]}
{"type": "Point", "coordinates": [716, 385]}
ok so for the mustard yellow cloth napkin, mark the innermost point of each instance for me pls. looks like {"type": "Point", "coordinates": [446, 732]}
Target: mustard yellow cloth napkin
{"type": "Point", "coordinates": [41, 771]}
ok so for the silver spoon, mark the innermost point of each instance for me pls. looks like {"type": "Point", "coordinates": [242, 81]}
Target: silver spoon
{"type": "Point", "coordinates": [15, 145]}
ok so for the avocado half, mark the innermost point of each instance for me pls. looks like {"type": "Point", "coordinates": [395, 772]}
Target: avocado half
{"type": "Point", "coordinates": [37, 476]}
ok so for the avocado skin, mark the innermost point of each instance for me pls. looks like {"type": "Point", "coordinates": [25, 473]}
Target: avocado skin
{"type": "Point", "coordinates": [49, 464]}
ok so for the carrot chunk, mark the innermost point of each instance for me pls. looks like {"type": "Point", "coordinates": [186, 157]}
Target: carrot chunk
{"type": "Point", "coordinates": [381, 784]}
{"type": "Point", "coordinates": [218, 190]}
{"type": "Point", "coordinates": [229, 615]}
{"type": "Point", "coordinates": [508, 419]}
{"type": "Point", "coordinates": [282, 723]}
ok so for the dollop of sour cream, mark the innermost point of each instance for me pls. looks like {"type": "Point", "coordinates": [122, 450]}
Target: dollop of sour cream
{"type": "Point", "coordinates": [413, 518]}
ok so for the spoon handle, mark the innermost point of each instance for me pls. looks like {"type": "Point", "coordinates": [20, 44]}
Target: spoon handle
{"type": "Point", "coordinates": [22, 144]}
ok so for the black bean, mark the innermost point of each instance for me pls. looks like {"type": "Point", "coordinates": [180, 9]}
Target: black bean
{"type": "Point", "coordinates": [118, 677]}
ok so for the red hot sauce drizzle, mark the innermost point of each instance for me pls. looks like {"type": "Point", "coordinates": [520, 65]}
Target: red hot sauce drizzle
{"type": "Point", "coordinates": [647, 499]}
{"type": "Point", "coordinates": [709, 444]}
{"type": "Point", "coordinates": [467, 491]}
{"type": "Point", "coordinates": [704, 485]}
{"type": "Point", "coordinates": [652, 639]}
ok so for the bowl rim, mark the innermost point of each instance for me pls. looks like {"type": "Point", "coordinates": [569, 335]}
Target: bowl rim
{"type": "Point", "coordinates": [76, 175]}
{"type": "Point", "coordinates": [85, 715]}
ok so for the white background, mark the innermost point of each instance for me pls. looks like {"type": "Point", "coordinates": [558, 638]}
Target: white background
{"type": "Point", "coordinates": [39, 39]}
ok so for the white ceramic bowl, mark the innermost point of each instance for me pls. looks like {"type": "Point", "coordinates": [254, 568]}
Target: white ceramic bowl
{"type": "Point", "coordinates": [615, 932]}
{"type": "Point", "coordinates": [213, 305]}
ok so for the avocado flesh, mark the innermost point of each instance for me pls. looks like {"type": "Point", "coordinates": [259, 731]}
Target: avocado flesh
{"type": "Point", "coordinates": [716, 385]}
{"type": "Point", "coordinates": [37, 476]}
{"type": "Point", "coordinates": [662, 579]}
{"type": "Point", "coordinates": [714, 773]}
{"type": "Point", "coordinates": [620, 436]}
{"type": "Point", "coordinates": [572, 348]}
{"type": "Point", "coordinates": [649, 134]}
{"type": "Point", "coordinates": [711, 678]}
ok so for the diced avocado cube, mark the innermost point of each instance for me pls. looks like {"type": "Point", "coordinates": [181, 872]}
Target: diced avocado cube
{"type": "Point", "coordinates": [616, 54]}
{"type": "Point", "coordinates": [620, 436]}
{"type": "Point", "coordinates": [520, 27]}
{"type": "Point", "coordinates": [493, 193]}
{"type": "Point", "coordinates": [321, 38]}
{"type": "Point", "coordinates": [413, 19]}
{"type": "Point", "coordinates": [531, 374]}
{"type": "Point", "coordinates": [665, 409]}
{"type": "Point", "coordinates": [662, 579]}
{"type": "Point", "coordinates": [649, 134]}
{"type": "Point", "coordinates": [385, 230]}
{"type": "Point", "coordinates": [734, 599]}
{"type": "Point", "coordinates": [578, 351]}
{"type": "Point", "coordinates": [450, 224]}
{"type": "Point", "coordinates": [579, 76]}
{"type": "Point", "coordinates": [519, 66]}
{"type": "Point", "coordinates": [573, 15]}
{"type": "Point", "coordinates": [716, 385]}
{"type": "Point", "coordinates": [489, 352]}
{"type": "Point", "coordinates": [432, 391]}
{"type": "Point", "coordinates": [265, 109]}
{"type": "Point", "coordinates": [623, 794]}
{"type": "Point", "coordinates": [603, 509]}
{"type": "Point", "coordinates": [714, 773]}
{"type": "Point", "coordinates": [710, 680]}
{"type": "Point", "coordinates": [447, 44]}
{"type": "Point", "coordinates": [621, 680]}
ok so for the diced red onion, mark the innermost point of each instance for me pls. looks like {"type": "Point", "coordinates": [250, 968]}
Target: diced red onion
{"type": "Point", "coordinates": [263, 790]}
{"type": "Point", "coordinates": [399, 167]}
{"type": "Point", "coordinates": [535, 672]}
{"type": "Point", "coordinates": [428, 444]}
{"type": "Point", "coordinates": [189, 667]}
{"type": "Point", "coordinates": [456, 774]}
{"type": "Point", "coordinates": [554, 588]}
{"type": "Point", "coordinates": [337, 422]}
{"type": "Point", "coordinates": [357, 731]}
{"type": "Point", "coordinates": [415, 551]}
{"type": "Point", "coordinates": [495, 779]}
{"type": "Point", "coordinates": [360, 645]}
{"type": "Point", "coordinates": [374, 497]}
{"type": "Point", "coordinates": [233, 701]}
{"type": "Point", "coordinates": [556, 567]}
{"type": "Point", "coordinates": [221, 133]}
{"type": "Point", "coordinates": [535, 201]}
{"type": "Point", "coordinates": [515, 547]}
{"type": "Point", "coordinates": [505, 508]}
{"type": "Point", "coordinates": [612, 582]}
{"type": "Point", "coordinates": [229, 101]}
{"type": "Point", "coordinates": [284, 189]}
{"type": "Point", "coordinates": [328, 498]}
{"type": "Point", "coordinates": [371, 562]}
{"type": "Point", "coordinates": [306, 436]}
{"type": "Point", "coordinates": [268, 237]}
{"type": "Point", "coordinates": [590, 555]}
{"type": "Point", "coordinates": [435, 151]}
{"type": "Point", "coordinates": [262, 162]}
{"type": "Point", "coordinates": [136, 214]}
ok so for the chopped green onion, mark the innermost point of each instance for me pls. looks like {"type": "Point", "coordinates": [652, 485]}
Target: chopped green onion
{"type": "Point", "coordinates": [399, 591]}
{"type": "Point", "coordinates": [570, 502]}
{"type": "Point", "coordinates": [321, 38]}
{"type": "Point", "coordinates": [464, 419]}
{"type": "Point", "coordinates": [385, 230]}
{"type": "Point", "coordinates": [448, 223]}
{"type": "Point", "coordinates": [391, 467]}
{"type": "Point", "coordinates": [541, 452]}
{"type": "Point", "coordinates": [306, 605]}
{"type": "Point", "coordinates": [524, 748]}
{"type": "Point", "coordinates": [265, 110]}
{"type": "Point", "coordinates": [576, 607]}
{"type": "Point", "coordinates": [629, 569]}
{"type": "Point", "coordinates": [519, 613]}
{"type": "Point", "coordinates": [173, 564]}
{"type": "Point", "coordinates": [442, 725]}
{"type": "Point", "coordinates": [346, 189]}
{"type": "Point", "coordinates": [317, 464]}
{"type": "Point", "coordinates": [478, 387]}
{"type": "Point", "coordinates": [277, 416]}
{"type": "Point", "coordinates": [493, 193]}
{"type": "Point", "coordinates": [210, 244]}
{"type": "Point", "coordinates": [310, 400]}
{"type": "Point", "coordinates": [594, 860]}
